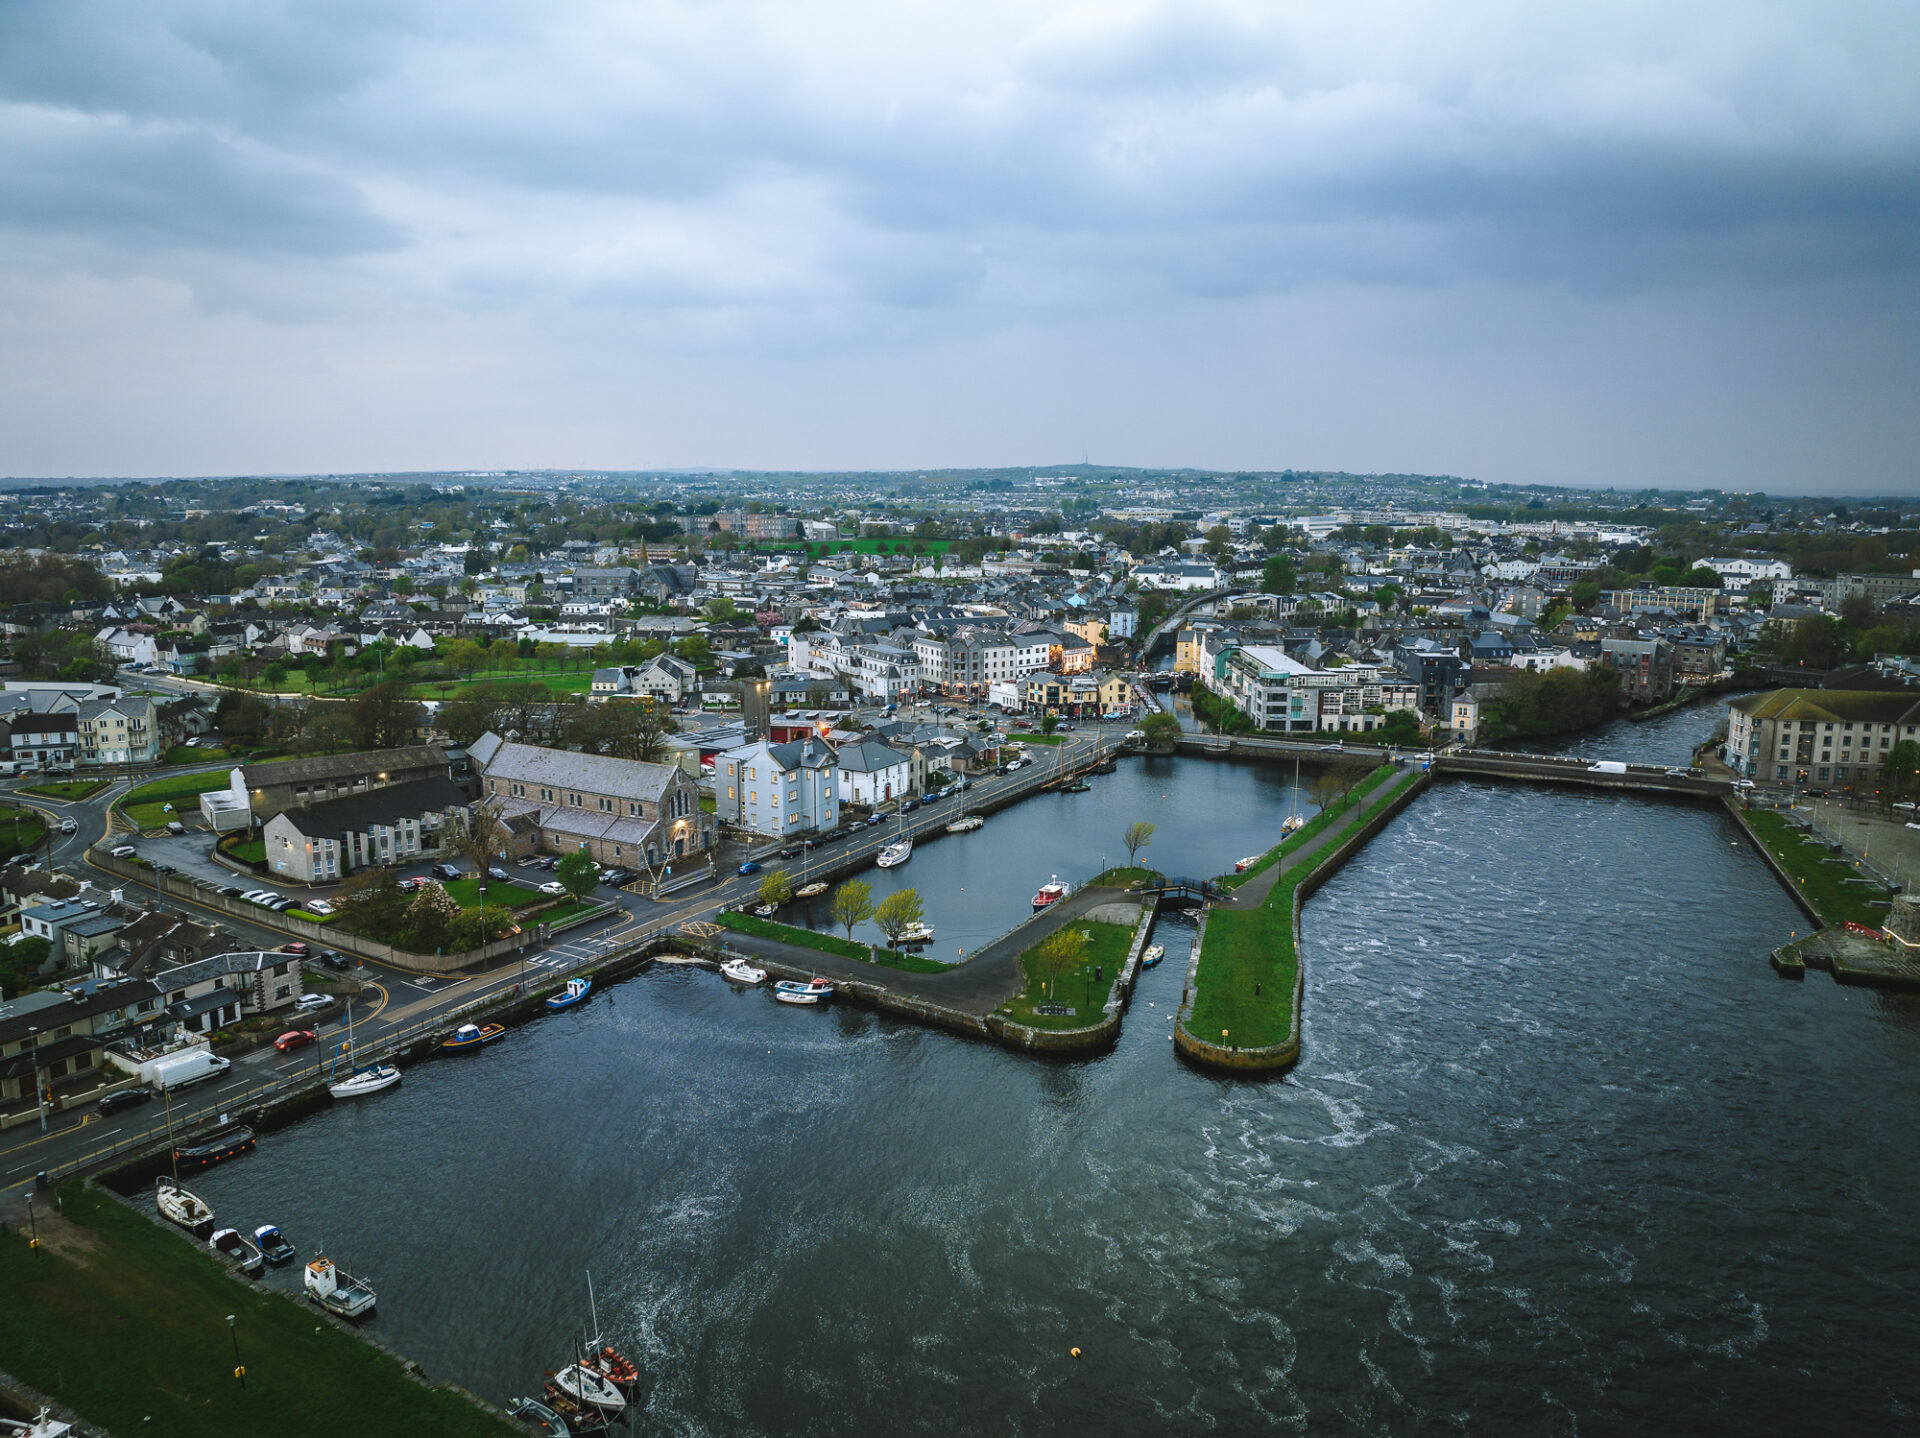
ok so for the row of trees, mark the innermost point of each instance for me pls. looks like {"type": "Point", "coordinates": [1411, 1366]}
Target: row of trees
{"type": "Point", "coordinates": [853, 904]}
{"type": "Point", "coordinates": [1556, 702]}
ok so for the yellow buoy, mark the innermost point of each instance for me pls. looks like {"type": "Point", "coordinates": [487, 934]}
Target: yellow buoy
{"type": "Point", "coordinates": [1076, 1353]}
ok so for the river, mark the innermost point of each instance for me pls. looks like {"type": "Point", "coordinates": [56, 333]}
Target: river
{"type": "Point", "coordinates": [1562, 1156]}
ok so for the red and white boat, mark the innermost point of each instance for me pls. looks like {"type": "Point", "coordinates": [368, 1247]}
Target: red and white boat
{"type": "Point", "coordinates": [1051, 892]}
{"type": "Point", "coordinates": [1245, 864]}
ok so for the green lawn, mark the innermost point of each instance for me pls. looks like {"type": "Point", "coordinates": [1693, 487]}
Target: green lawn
{"type": "Point", "coordinates": [1121, 877]}
{"type": "Point", "coordinates": [1078, 989]}
{"type": "Point", "coordinates": [247, 851]}
{"type": "Point", "coordinates": [127, 1325]}
{"type": "Point", "coordinates": [182, 754]}
{"type": "Point", "coordinates": [830, 944]}
{"type": "Point", "coordinates": [1248, 947]}
{"type": "Point", "coordinates": [466, 893]}
{"type": "Point", "coordinates": [1306, 832]}
{"type": "Point", "coordinates": [20, 830]}
{"type": "Point", "coordinates": [145, 805]}
{"type": "Point", "coordinates": [1021, 737]}
{"type": "Point", "coordinates": [1823, 876]}
{"type": "Point", "coordinates": [71, 789]}
{"type": "Point", "coordinates": [579, 682]}
{"type": "Point", "coordinates": [564, 910]}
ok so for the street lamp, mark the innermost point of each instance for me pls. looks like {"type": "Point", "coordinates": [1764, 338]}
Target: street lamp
{"type": "Point", "coordinates": [239, 1369]}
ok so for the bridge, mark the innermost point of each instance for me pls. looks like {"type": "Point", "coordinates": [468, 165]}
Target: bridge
{"type": "Point", "coordinates": [1470, 764]}
{"type": "Point", "coordinates": [1191, 891]}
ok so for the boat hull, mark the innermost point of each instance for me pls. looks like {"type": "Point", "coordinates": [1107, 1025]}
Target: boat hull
{"type": "Point", "coordinates": [198, 1156]}
{"type": "Point", "coordinates": [740, 972]}
{"type": "Point", "coordinates": [370, 1082]}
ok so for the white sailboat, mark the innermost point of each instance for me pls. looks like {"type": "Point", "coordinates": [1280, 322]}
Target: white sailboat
{"type": "Point", "coordinates": [895, 855]}
{"type": "Point", "coordinates": [587, 1385]}
{"type": "Point", "coordinates": [1294, 820]}
{"type": "Point", "coordinates": [362, 1079]}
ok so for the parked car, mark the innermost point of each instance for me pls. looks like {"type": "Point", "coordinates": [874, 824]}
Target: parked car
{"type": "Point", "coordinates": [554, 888]}
{"type": "Point", "coordinates": [229, 891]}
{"type": "Point", "coordinates": [296, 946]}
{"type": "Point", "coordinates": [126, 1098]}
{"type": "Point", "coordinates": [318, 906]}
{"type": "Point", "coordinates": [408, 886]}
{"type": "Point", "coordinates": [618, 877]}
{"type": "Point", "coordinates": [334, 959]}
{"type": "Point", "coordinates": [294, 1038]}
{"type": "Point", "coordinates": [309, 1002]}
{"type": "Point", "coordinates": [549, 862]}
{"type": "Point", "coordinates": [175, 827]}
{"type": "Point", "coordinates": [789, 853]}
{"type": "Point", "coordinates": [445, 871]}
{"type": "Point", "coordinates": [124, 851]}
{"type": "Point", "coordinates": [281, 904]}
{"type": "Point", "coordinates": [165, 869]}
{"type": "Point", "coordinates": [749, 867]}
{"type": "Point", "coordinates": [1332, 748]}
{"type": "Point", "coordinates": [495, 872]}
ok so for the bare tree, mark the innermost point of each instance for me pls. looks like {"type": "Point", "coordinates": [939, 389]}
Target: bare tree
{"type": "Point", "coordinates": [482, 835]}
{"type": "Point", "coordinates": [1136, 836]}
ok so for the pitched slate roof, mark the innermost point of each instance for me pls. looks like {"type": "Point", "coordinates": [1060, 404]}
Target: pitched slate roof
{"type": "Point", "coordinates": [339, 766]}
{"type": "Point", "coordinates": [563, 769]}
{"type": "Point", "coordinates": [353, 813]}
{"type": "Point", "coordinates": [1838, 705]}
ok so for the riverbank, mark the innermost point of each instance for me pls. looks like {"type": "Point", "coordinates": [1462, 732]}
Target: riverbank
{"type": "Point", "coordinates": [1245, 982]}
{"type": "Point", "coordinates": [128, 1324]}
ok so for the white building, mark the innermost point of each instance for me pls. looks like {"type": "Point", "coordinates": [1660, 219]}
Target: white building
{"type": "Point", "coordinates": [1748, 570]}
{"type": "Point", "coordinates": [777, 788]}
{"type": "Point", "coordinates": [871, 773]}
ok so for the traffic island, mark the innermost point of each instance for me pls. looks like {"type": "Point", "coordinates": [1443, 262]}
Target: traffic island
{"type": "Point", "coordinates": [1241, 1008]}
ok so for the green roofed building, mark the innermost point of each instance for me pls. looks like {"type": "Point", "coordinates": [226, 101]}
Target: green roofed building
{"type": "Point", "coordinates": [1818, 736]}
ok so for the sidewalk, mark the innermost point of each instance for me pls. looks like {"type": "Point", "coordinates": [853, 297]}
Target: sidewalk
{"type": "Point", "coordinates": [1253, 893]}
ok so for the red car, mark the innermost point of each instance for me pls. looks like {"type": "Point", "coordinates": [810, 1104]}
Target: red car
{"type": "Point", "coordinates": [296, 947]}
{"type": "Point", "coordinates": [293, 1039]}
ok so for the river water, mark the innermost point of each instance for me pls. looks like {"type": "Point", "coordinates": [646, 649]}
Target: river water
{"type": "Point", "coordinates": [1562, 1156]}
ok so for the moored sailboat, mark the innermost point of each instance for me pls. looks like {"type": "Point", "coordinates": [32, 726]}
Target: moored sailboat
{"type": "Point", "coordinates": [362, 1079]}
{"type": "Point", "coordinates": [188, 1209]}
{"type": "Point", "coordinates": [895, 855]}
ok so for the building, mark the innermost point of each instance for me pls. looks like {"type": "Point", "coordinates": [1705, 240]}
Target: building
{"type": "Point", "coordinates": [1260, 680]}
{"type": "Point", "coordinates": [118, 731]}
{"type": "Point", "coordinates": [1076, 695]}
{"type": "Point", "coordinates": [604, 584]}
{"type": "Point", "coordinates": [323, 843]}
{"type": "Point", "coordinates": [76, 929]}
{"type": "Point", "coordinates": [1818, 736]}
{"type": "Point", "coordinates": [42, 740]}
{"type": "Point", "coordinates": [57, 1036]}
{"type": "Point", "coordinates": [266, 789]}
{"type": "Point", "coordinates": [622, 812]}
{"type": "Point", "coordinates": [788, 788]}
{"type": "Point", "coordinates": [1746, 570]}
{"type": "Point", "coordinates": [1879, 589]}
{"type": "Point", "coordinates": [872, 774]}
{"type": "Point", "coordinates": [1465, 716]}
{"type": "Point", "coordinates": [1698, 605]}
{"type": "Point", "coordinates": [1645, 665]}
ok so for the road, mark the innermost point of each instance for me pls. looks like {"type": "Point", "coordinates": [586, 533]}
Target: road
{"type": "Point", "coordinates": [398, 1000]}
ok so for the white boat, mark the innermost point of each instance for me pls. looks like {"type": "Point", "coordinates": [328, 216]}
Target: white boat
{"type": "Point", "coordinates": [916, 934]}
{"type": "Point", "coordinates": [788, 991]}
{"type": "Point", "coordinates": [1245, 864]}
{"type": "Point", "coordinates": [1153, 956]}
{"type": "Point", "coordinates": [539, 1417]}
{"type": "Point", "coordinates": [236, 1248]}
{"type": "Point", "coordinates": [966, 825]}
{"type": "Point", "coordinates": [1051, 892]}
{"type": "Point", "coordinates": [189, 1210]}
{"type": "Point", "coordinates": [338, 1291]}
{"type": "Point", "coordinates": [586, 1385]}
{"type": "Point", "coordinates": [895, 854]}
{"type": "Point", "coordinates": [45, 1425]}
{"type": "Point", "coordinates": [765, 911]}
{"type": "Point", "coordinates": [1292, 823]}
{"type": "Point", "coordinates": [810, 891]}
{"type": "Point", "coordinates": [362, 1079]}
{"type": "Point", "coordinates": [742, 972]}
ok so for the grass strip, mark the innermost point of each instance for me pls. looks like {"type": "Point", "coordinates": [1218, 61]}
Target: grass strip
{"type": "Point", "coordinates": [71, 789]}
{"type": "Point", "coordinates": [1248, 947]}
{"type": "Point", "coordinates": [1308, 831]}
{"type": "Point", "coordinates": [828, 944]}
{"type": "Point", "coordinates": [1107, 946]}
{"type": "Point", "coordinates": [126, 1323]}
{"type": "Point", "coordinates": [1830, 884]}
{"type": "Point", "coordinates": [146, 806]}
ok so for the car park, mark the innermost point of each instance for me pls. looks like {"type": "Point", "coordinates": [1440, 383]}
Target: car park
{"type": "Point", "coordinates": [294, 1039]}
{"type": "Point", "coordinates": [553, 888]}
{"type": "Point", "coordinates": [125, 1098]}
{"type": "Point", "coordinates": [310, 1002]}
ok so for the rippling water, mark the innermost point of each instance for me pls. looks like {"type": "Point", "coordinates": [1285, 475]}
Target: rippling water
{"type": "Point", "coordinates": [1562, 1156]}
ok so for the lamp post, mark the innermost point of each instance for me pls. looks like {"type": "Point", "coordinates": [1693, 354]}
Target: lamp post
{"type": "Point", "coordinates": [239, 1369]}
{"type": "Point", "coordinates": [39, 1093]}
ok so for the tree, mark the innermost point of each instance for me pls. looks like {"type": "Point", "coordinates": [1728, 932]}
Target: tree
{"type": "Point", "coordinates": [577, 873]}
{"type": "Point", "coordinates": [476, 927]}
{"type": "Point", "coordinates": [1049, 723]}
{"type": "Point", "coordinates": [275, 674]}
{"type": "Point", "coordinates": [1059, 953]}
{"type": "Point", "coordinates": [1219, 543]}
{"type": "Point", "coordinates": [1901, 767]}
{"type": "Point", "coordinates": [430, 914]}
{"type": "Point", "coordinates": [1161, 728]}
{"type": "Point", "coordinates": [1277, 576]}
{"type": "Point", "coordinates": [384, 717]}
{"type": "Point", "coordinates": [479, 838]}
{"type": "Point", "coordinates": [852, 904]}
{"type": "Point", "coordinates": [776, 889]}
{"type": "Point", "coordinates": [897, 913]}
{"type": "Point", "coordinates": [1136, 836]}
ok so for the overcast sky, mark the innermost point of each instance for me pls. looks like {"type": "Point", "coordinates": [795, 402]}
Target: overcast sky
{"type": "Point", "coordinates": [1636, 243]}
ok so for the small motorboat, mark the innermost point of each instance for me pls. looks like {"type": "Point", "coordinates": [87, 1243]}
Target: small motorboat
{"type": "Point", "coordinates": [742, 972]}
{"type": "Point", "coordinates": [811, 891]}
{"type": "Point", "coordinates": [895, 855]}
{"type": "Point", "coordinates": [1153, 956]}
{"type": "Point", "coordinates": [579, 1417]}
{"type": "Point", "coordinates": [204, 1153]}
{"type": "Point", "coordinates": [338, 1291]}
{"type": "Point", "coordinates": [472, 1036]}
{"type": "Point", "coordinates": [1078, 786]}
{"type": "Point", "coordinates": [587, 1385]}
{"type": "Point", "coordinates": [272, 1244]}
{"type": "Point", "coordinates": [189, 1210]}
{"type": "Point", "coordinates": [815, 991]}
{"type": "Point", "coordinates": [575, 992]}
{"type": "Point", "coordinates": [915, 935]}
{"type": "Point", "coordinates": [1051, 892]}
{"type": "Point", "coordinates": [231, 1245]}
{"type": "Point", "coordinates": [616, 1368]}
{"type": "Point", "coordinates": [1242, 865]}
{"type": "Point", "coordinates": [1292, 823]}
{"type": "Point", "coordinates": [44, 1425]}
{"type": "Point", "coordinates": [539, 1417]}
{"type": "Point", "coordinates": [966, 825]}
{"type": "Point", "coordinates": [363, 1081]}
{"type": "Point", "coordinates": [765, 911]}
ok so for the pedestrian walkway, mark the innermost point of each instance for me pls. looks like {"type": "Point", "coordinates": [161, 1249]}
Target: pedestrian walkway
{"type": "Point", "coordinates": [1253, 893]}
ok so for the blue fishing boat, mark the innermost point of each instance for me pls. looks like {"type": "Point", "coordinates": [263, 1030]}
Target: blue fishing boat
{"type": "Point", "coordinates": [575, 992]}
{"type": "Point", "coordinates": [471, 1036]}
{"type": "Point", "coordinates": [816, 992]}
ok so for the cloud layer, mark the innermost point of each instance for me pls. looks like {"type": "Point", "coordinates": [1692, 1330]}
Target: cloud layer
{"type": "Point", "coordinates": [775, 233]}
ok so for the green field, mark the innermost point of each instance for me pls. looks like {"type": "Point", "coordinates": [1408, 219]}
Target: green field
{"type": "Point", "coordinates": [247, 851]}
{"type": "Point", "coordinates": [830, 944]}
{"type": "Point", "coordinates": [1078, 989]}
{"type": "Point", "coordinates": [145, 805]}
{"type": "Point", "coordinates": [71, 789]}
{"type": "Point", "coordinates": [466, 892]}
{"type": "Point", "coordinates": [126, 1323]}
{"type": "Point", "coordinates": [1248, 947]}
{"type": "Point", "coordinates": [183, 754]}
{"type": "Point", "coordinates": [1824, 878]}
{"type": "Point", "coordinates": [20, 830]}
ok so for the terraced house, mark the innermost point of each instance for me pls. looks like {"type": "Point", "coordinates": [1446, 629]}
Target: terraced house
{"type": "Point", "coordinates": [118, 731]}
{"type": "Point", "coordinates": [622, 812]}
{"type": "Point", "coordinates": [1818, 736]}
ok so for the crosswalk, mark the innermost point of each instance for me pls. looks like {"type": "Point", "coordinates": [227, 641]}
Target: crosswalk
{"type": "Point", "coordinates": [569, 952]}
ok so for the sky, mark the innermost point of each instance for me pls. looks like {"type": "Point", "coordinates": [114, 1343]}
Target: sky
{"type": "Point", "coordinates": [1631, 244]}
